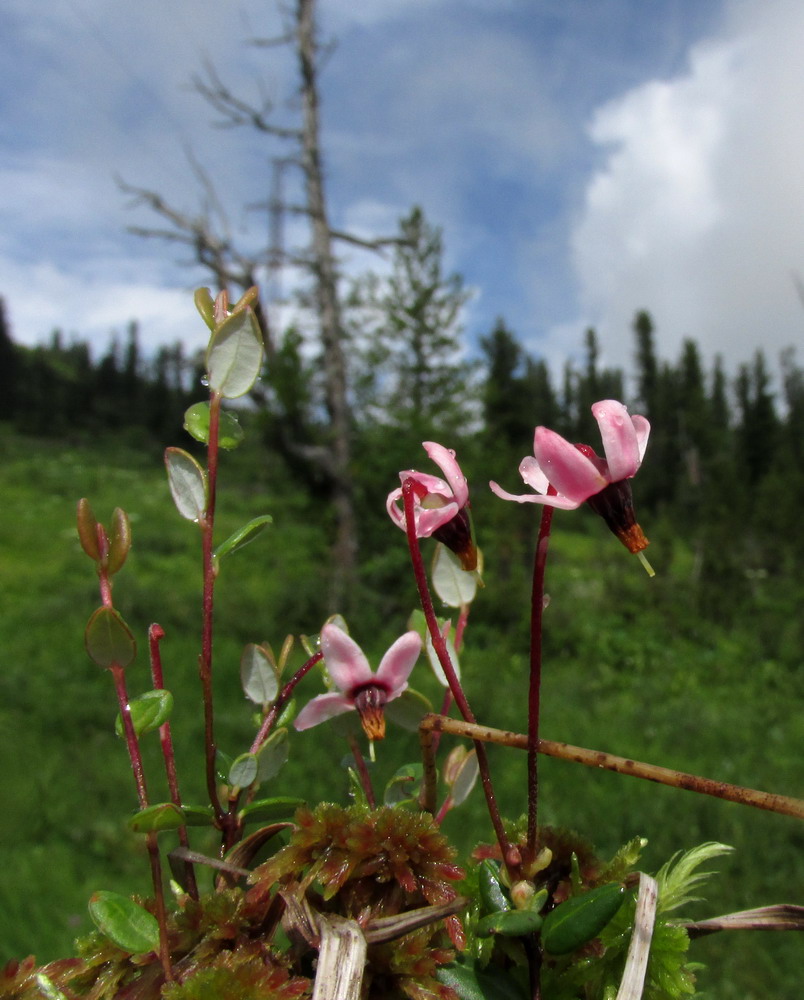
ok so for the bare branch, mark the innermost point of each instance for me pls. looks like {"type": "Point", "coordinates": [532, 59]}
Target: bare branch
{"type": "Point", "coordinates": [380, 243]}
{"type": "Point", "coordinates": [236, 112]}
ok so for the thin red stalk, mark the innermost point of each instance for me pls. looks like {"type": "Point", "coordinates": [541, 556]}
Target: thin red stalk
{"type": "Point", "coordinates": [155, 634]}
{"type": "Point", "coordinates": [409, 498]}
{"type": "Point", "coordinates": [205, 660]}
{"type": "Point", "coordinates": [118, 676]}
{"type": "Point", "coordinates": [103, 575]}
{"type": "Point", "coordinates": [363, 772]}
{"type": "Point", "coordinates": [534, 691]}
{"type": "Point", "coordinates": [282, 700]}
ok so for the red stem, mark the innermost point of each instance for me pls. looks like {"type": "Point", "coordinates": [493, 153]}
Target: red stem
{"type": "Point", "coordinates": [155, 635]}
{"type": "Point", "coordinates": [363, 772]}
{"type": "Point", "coordinates": [205, 660]}
{"type": "Point", "coordinates": [282, 700]}
{"type": "Point", "coordinates": [534, 692]}
{"type": "Point", "coordinates": [409, 499]}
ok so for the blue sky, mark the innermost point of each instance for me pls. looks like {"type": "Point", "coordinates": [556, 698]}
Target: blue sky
{"type": "Point", "coordinates": [585, 158]}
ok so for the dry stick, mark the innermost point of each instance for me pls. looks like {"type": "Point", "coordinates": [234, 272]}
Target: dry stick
{"type": "Point", "coordinates": [782, 804]}
{"type": "Point", "coordinates": [440, 648]}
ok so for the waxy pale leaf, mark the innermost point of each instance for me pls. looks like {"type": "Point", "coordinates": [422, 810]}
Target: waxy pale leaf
{"type": "Point", "coordinates": [188, 483]}
{"type": "Point", "coordinates": [238, 539]}
{"type": "Point", "coordinates": [108, 639]}
{"type": "Point", "coordinates": [272, 755]}
{"type": "Point", "coordinates": [152, 819]}
{"type": "Point", "coordinates": [408, 709]}
{"type": "Point", "coordinates": [434, 661]}
{"type": "Point", "coordinates": [243, 771]}
{"type": "Point", "coordinates": [453, 584]}
{"type": "Point", "coordinates": [258, 675]}
{"type": "Point", "coordinates": [464, 774]}
{"type": "Point", "coordinates": [234, 355]}
{"type": "Point", "coordinates": [205, 306]}
{"type": "Point", "coordinates": [126, 923]}
{"type": "Point", "coordinates": [196, 423]}
{"type": "Point", "coordinates": [148, 712]}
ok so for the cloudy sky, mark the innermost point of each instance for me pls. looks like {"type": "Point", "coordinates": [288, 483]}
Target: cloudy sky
{"type": "Point", "coordinates": [585, 158]}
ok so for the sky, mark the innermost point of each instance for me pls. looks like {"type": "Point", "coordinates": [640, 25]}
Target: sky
{"type": "Point", "coordinates": [585, 159]}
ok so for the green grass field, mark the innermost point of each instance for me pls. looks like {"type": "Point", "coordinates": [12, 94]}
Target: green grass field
{"type": "Point", "coordinates": [629, 668]}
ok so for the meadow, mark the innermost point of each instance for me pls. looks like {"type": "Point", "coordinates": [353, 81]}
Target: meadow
{"type": "Point", "coordinates": [631, 667]}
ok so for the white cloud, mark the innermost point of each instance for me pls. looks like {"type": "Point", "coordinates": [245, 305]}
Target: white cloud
{"type": "Point", "coordinates": [697, 210]}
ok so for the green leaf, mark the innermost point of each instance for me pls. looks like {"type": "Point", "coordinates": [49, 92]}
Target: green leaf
{"type": "Point", "coordinates": [108, 639]}
{"type": "Point", "coordinates": [404, 784]}
{"type": "Point", "coordinates": [472, 983]}
{"type": "Point", "coordinates": [196, 423]}
{"type": "Point", "coordinates": [87, 529]}
{"type": "Point", "coordinates": [408, 709]}
{"type": "Point", "coordinates": [162, 816]}
{"type": "Point", "coordinates": [243, 536]}
{"type": "Point", "coordinates": [205, 305]}
{"type": "Point", "coordinates": [435, 663]}
{"type": "Point", "coordinates": [509, 923]}
{"type": "Point", "coordinates": [234, 355]}
{"type": "Point", "coordinates": [271, 809]}
{"type": "Point", "coordinates": [188, 483]}
{"type": "Point", "coordinates": [148, 712]}
{"type": "Point", "coordinates": [126, 923]}
{"type": "Point", "coordinates": [493, 898]}
{"type": "Point", "coordinates": [581, 918]}
{"type": "Point", "coordinates": [243, 771]}
{"type": "Point", "coordinates": [258, 675]}
{"type": "Point", "coordinates": [197, 815]}
{"type": "Point", "coordinates": [272, 755]}
{"type": "Point", "coordinates": [464, 778]}
{"type": "Point", "coordinates": [119, 541]}
{"type": "Point", "coordinates": [453, 584]}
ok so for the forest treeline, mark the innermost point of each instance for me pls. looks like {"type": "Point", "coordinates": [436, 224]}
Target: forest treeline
{"type": "Point", "coordinates": [725, 464]}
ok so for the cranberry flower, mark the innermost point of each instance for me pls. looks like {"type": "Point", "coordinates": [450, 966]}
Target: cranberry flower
{"type": "Point", "coordinates": [574, 474]}
{"type": "Point", "coordinates": [358, 687]}
{"type": "Point", "coordinates": [441, 505]}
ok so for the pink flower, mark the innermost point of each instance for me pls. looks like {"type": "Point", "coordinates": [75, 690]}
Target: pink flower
{"type": "Point", "coordinates": [576, 474]}
{"type": "Point", "coordinates": [358, 687]}
{"type": "Point", "coordinates": [441, 505]}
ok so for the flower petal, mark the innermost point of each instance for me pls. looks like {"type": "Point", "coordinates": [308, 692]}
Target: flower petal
{"type": "Point", "coordinates": [533, 474]}
{"type": "Point", "coordinates": [325, 706]}
{"type": "Point", "coordinates": [444, 458]}
{"type": "Point", "coordinates": [344, 659]}
{"type": "Point", "coordinates": [619, 438]}
{"type": "Point", "coordinates": [569, 470]}
{"type": "Point", "coordinates": [642, 428]}
{"type": "Point", "coordinates": [428, 521]}
{"type": "Point", "coordinates": [396, 665]}
{"type": "Point", "coordinates": [564, 503]}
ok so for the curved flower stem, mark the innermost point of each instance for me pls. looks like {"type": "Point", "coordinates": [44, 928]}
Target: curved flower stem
{"type": "Point", "coordinates": [510, 856]}
{"type": "Point", "coordinates": [282, 699]}
{"type": "Point", "coordinates": [363, 772]}
{"type": "Point", "coordinates": [534, 692]}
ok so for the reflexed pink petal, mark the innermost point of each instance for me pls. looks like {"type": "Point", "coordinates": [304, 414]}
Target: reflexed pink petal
{"type": "Point", "coordinates": [433, 484]}
{"type": "Point", "coordinates": [564, 503]}
{"type": "Point", "coordinates": [396, 665]}
{"type": "Point", "coordinates": [569, 471]}
{"type": "Point", "coordinates": [642, 428]}
{"type": "Point", "coordinates": [445, 460]}
{"type": "Point", "coordinates": [619, 438]}
{"type": "Point", "coordinates": [395, 507]}
{"type": "Point", "coordinates": [344, 659]}
{"type": "Point", "coordinates": [428, 521]}
{"type": "Point", "coordinates": [325, 706]}
{"type": "Point", "coordinates": [532, 473]}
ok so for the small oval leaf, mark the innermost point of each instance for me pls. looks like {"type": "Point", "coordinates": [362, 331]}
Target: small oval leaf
{"type": "Point", "coordinates": [404, 785]}
{"type": "Point", "coordinates": [271, 809]}
{"type": "Point", "coordinates": [465, 778]}
{"type": "Point", "coordinates": [87, 529]}
{"type": "Point", "coordinates": [272, 755]}
{"type": "Point", "coordinates": [119, 541]}
{"type": "Point", "coordinates": [434, 661]}
{"type": "Point", "coordinates": [493, 898]}
{"type": "Point", "coordinates": [509, 923]}
{"type": "Point", "coordinates": [243, 536]}
{"type": "Point", "coordinates": [196, 423]}
{"type": "Point", "coordinates": [148, 711]}
{"type": "Point", "coordinates": [205, 306]}
{"type": "Point", "coordinates": [198, 815]}
{"type": "Point", "coordinates": [126, 923]}
{"type": "Point", "coordinates": [453, 584]}
{"type": "Point", "coordinates": [258, 675]}
{"type": "Point", "coordinates": [581, 918]}
{"type": "Point", "coordinates": [472, 983]}
{"type": "Point", "coordinates": [243, 771]}
{"type": "Point", "coordinates": [188, 483]}
{"type": "Point", "coordinates": [162, 816]}
{"type": "Point", "coordinates": [234, 355]}
{"type": "Point", "coordinates": [108, 639]}
{"type": "Point", "coordinates": [408, 709]}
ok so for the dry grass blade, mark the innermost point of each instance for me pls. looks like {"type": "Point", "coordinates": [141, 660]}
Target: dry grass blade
{"type": "Point", "coordinates": [781, 917]}
{"type": "Point", "coordinates": [636, 964]}
{"type": "Point", "coordinates": [341, 957]}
